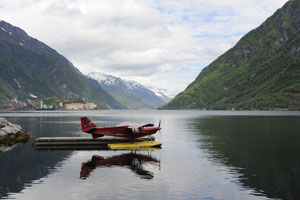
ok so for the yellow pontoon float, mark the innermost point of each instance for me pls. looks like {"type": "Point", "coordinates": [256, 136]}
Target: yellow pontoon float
{"type": "Point", "coordinates": [136, 145]}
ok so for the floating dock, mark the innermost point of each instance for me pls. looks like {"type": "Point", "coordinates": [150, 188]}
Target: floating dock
{"type": "Point", "coordinates": [135, 145]}
{"type": "Point", "coordinates": [85, 143]}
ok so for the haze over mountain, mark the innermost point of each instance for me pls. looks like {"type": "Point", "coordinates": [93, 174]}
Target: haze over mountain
{"type": "Point", "coordinates": [131, 94]}
{"type": "Point", "coordinates": [162, 93]}
{"type": "Point", "coordinates": [262, 71]}
{"type": "Point", "coordinates": [30, 70]}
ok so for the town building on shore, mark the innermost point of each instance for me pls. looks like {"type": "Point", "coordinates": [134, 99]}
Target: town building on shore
{"type": "Point", "coordinates": [80, 106]}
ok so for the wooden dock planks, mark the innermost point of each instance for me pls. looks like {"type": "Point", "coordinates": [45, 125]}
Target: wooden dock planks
{"type": "Point", "coordinates": [79, 143]}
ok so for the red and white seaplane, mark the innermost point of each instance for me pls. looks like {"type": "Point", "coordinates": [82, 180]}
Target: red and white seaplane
{"type": "Point", "coordinates": [130, 131]}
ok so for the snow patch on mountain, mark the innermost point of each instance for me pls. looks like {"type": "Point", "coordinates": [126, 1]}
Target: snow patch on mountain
{"type": "Point", "coordinates": [18, 83]}
{"type": "Point", "coordinates": [33, 96]}
{"type": "Point", "coordinates": [161, 92]}
{"type": "Point", "coordinates": [131, 90]}
{"type": "Point", "coordinates": [3, 29]}
{"type": "Point", "coordinates": [109, 80]}
{"type": "Point", "coordinates": [103, 78]}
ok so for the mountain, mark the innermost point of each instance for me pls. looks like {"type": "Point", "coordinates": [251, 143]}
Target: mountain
{"type": "Point", "coordinates": [30, 69]}
{"type": "Point", "coordinates": [130, 93]}
{"type": "Point", "coordinates": [162, 93]}
{"type": "Point", "coordinates": [262, 71]}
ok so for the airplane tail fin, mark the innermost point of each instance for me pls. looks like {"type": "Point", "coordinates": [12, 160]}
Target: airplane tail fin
{"type": "Point", "coordinates": [86, 124]}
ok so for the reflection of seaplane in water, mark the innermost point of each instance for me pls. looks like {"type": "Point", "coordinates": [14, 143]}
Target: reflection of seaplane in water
{"type": "Point", "coordinates": [131, 131]}
{"type": "Point", "coordinates": [131, 160]}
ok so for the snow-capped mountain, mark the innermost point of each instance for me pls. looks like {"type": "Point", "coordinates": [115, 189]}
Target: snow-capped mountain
{"type": "Point", "coordinates": [109, 80]}
{"type": "Point", "coordinates": [161, 92]}
{"type": "Point", "coordinates": [130, 93]}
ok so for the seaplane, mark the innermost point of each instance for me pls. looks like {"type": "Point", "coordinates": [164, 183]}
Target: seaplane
{"type": "Point", "coordinates": [127, 130]}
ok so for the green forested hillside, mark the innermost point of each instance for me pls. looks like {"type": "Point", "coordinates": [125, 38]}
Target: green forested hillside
{"type": "Point", "coordinates": [30, 69]}
{"type": "Point", "coordinates": [262, 71]}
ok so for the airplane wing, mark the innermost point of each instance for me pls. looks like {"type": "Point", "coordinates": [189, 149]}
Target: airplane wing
{"type": "Point", "coordinates": [135, 125]}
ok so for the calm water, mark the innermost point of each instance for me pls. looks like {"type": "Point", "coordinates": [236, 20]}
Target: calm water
{"type": "Point", "coordinates": [205, 155]}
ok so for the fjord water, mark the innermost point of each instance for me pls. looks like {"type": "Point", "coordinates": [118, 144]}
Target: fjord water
{"type": "Point", "coordinates": [204, 155]}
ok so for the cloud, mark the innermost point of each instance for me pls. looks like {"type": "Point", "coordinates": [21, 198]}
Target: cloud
{"type": "Point", "coordinates": [159, 43]}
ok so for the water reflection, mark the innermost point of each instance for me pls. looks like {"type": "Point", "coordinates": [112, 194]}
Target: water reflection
{"type": "Point", "coordinates": [132, 160]}
{"type": "Point", "coordinates": [11, 144]}
{"type": "Point", "coordinates": [263, 152]}
{"type": "Point", "coordinates": [21, 165]}
{"type": "Point", "coordinates": [6, 147]}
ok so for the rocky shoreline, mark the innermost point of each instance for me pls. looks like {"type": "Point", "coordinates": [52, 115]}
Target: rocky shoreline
{"type": "Point", "coordinates": [12, 133]}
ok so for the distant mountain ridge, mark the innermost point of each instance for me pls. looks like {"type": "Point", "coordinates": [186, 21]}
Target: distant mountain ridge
{"type": "Point", "coordinates": [31, 69]}
{"type": "Point", "coordinates": [131, 94]}
{"type": "Point", "coordinates": [163, 93]}
{"type": "Point", "coordinates": [262, 71]}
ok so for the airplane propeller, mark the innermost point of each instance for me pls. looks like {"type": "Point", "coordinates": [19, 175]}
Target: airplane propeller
{"type": "Point", "coordinates": [159, 127]}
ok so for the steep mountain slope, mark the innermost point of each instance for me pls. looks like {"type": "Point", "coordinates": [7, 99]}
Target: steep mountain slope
{"type": "Point", "coordinates": [130, 93]}
{"type": "Point", "coordinates": [31, 69]}
{"type": "Point", "coordinates": [262, 71]}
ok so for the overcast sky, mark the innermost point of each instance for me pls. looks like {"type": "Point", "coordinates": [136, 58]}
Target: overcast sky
{"type": "Point", "coordinates": [160, 43]}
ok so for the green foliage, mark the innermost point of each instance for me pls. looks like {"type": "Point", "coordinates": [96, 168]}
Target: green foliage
{"type": "Point", "coordinates": [260, 72]}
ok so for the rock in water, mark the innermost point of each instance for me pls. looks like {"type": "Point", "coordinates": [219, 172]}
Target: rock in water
{"type": "Point", "coordinates": [11, 132]}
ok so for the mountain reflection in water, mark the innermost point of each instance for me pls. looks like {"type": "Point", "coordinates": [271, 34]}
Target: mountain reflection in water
{"type": "Point", "coordinates": [132, 160]}
{"type": "Point", "coordinates": [21, 165]}
{"type": "Point", "coordinates": [264, 152]}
